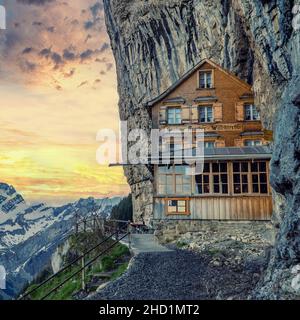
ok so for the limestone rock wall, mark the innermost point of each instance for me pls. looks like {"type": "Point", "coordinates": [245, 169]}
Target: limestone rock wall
{"type": "Point", "coordinates": [156, 41]}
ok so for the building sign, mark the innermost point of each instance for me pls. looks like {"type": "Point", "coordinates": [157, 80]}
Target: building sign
{"type": "Point", "coordinates": [223, 127]}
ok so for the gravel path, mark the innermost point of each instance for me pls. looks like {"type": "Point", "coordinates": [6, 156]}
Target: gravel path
{"type": "Point", "coordinates": [182, 275]}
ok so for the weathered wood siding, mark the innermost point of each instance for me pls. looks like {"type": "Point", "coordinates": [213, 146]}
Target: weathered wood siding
{"type": "Point", "coordinates": [249, 208]}
{"type": "Point", "coordinates": [228, 92]}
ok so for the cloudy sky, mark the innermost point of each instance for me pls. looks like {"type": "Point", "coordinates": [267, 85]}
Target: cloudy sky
{"type": "Point", "coordinates": [57, 89]}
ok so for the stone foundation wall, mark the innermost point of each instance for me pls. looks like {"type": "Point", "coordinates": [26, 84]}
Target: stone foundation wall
{"type": "Point", "coordinates": [171, 230]}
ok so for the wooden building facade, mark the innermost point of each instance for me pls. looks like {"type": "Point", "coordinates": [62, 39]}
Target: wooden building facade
{"type": "Point", "coordinates": [234, 184]}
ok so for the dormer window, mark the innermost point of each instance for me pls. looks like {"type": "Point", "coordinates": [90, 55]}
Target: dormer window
{"type": "Point", "coordinates": [206, 79]}
{"type": "Point", "coordinates": [174, 115]}
{"type": "Point", "coordinates": [251, 113]}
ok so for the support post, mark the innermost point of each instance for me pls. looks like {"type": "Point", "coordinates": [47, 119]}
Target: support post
{"type": "Point", "coordinates": [76, 223]}
{"type": "Point", "coordinates": [129, 234]}
{"type": "Point", "coordinates": [83, 286]}
{"type": "Point", "coordinates": [84, 225]}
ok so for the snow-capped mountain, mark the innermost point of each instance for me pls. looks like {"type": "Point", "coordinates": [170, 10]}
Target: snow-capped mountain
{"type": "Point", "coordinates": [29, 235]}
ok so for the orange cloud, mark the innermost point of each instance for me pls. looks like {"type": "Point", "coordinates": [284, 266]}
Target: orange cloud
{"type": "Point", "coordinates": [49, 121]}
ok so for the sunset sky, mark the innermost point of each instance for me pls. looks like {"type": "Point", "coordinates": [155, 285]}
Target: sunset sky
{"type": "Point", "coordinates": [57, 89]}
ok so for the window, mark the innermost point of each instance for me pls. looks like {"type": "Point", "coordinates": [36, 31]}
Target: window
{"type": "Point", "coordinates": [259, 177]}
{"type": "Point", "coordinates": [173, 180]}
{"type": "Point", "coordinates": [177, 206]}
{"type": "Point", "coordinates": [176, 149]}
{"type": "Point", "coordinates": [205, 144]}
{"type": "Point", "coordinates": [214, 179]}
{"type": "Point", "coordinates": [171, 145]}
{"type": "Point", "coordinates": [250, 177]}
{"type": "Point", "coordinates": [209, 144]}
{"type": "Point", "coordinates": [220, 178]}
{"type": "Point", "coordinates": [251, 113]}
{"type": "Point", "coordinates": [205, 79]}
{"type": "Point", "coordinates": [203, 181]}
{"type": "Point", "coordinates": [174, 116]}
{"type": "Point", "coordinates": [206, 114]}
{"type": "Point", "coordinates": [240, 177]}
{"type": "Point", "coordinates": [253, 143]}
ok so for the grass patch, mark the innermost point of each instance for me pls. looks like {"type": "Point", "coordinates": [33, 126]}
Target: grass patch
{"type": "Point", "coordinates": [119, 250]}
{"type": "Point", "coordinates": [121, 269]}
{"type": "Point", "coordinates": [64, 293]}
{"type": "Point", "coordinates": [107, 263]}
{"type": "Point", "coordinates": [181, 244]}
{"type": "Point", "coordinates": [97, 268]}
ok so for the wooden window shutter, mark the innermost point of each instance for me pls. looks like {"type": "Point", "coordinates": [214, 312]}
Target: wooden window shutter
{"type": "Point", "coordinates": [239, 143]}
{"type": "Point", "coordinates": [218, 112]}
{"type": "Point", "coordinates": [185, 114]}
{"type": "Point", "coordinates": [239, 111]}
{"type": "Point", "coordinates": [163, 115]}
{"type": "Point", "coordinates": [195, 114]}
{"type": "Point", "coordinates": [220, 144]}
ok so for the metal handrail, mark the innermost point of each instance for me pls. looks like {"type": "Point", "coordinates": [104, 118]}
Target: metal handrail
{"type": "Point", "coordinates": [68, 266]}
{"type": "Point", "coordinates": [86, 220]}
{"type": "Point", "coordinates": [82, 268]}
{"type": "Point", "coordinates": [119, 221]}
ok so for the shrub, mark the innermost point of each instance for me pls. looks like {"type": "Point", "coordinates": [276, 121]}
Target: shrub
{"type": "Point", "coordinates": [107, 263]}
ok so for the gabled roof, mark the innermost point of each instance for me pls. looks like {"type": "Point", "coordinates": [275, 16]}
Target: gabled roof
{"type": "Point", "coordinates": [189, 73]}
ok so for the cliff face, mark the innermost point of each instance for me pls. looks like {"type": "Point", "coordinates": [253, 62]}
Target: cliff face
{"type": "Point", "coordinates": [155, 42]}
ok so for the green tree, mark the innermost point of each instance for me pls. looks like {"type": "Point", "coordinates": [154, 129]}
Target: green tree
{"type": "Point", "coordinates": [124, 210]}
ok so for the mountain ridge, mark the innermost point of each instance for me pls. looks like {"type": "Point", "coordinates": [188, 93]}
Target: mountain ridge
{"type": "Point", "coordinates": [29, 235]}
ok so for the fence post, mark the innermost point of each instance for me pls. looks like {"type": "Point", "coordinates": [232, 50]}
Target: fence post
{"type": "Point", "coordinates": [84, 225]}
{"type": "Point", "coordinates": [129, 234]}
{"type": "Point", "coordinates": [76, 222]}
{"type": "Point", "coordinates": [83, 286]}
